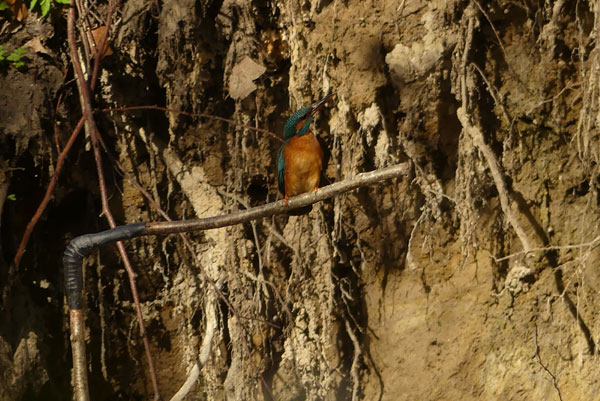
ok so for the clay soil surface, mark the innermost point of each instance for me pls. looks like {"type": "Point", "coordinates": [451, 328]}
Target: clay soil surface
{"type": "Point", "coordinates": [473, 277]}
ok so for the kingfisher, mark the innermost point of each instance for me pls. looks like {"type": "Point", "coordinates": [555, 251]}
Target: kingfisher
{"type": "Point", "coordinates": [300, 158]}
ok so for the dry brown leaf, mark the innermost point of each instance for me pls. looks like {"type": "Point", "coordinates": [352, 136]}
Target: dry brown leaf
{"type": "Point", "coordinates": [18, 8]}
{"type": "Point", "coordinates": [97, 42]}
{"type": "Point", "coordinates": [242, 75]}
{"type": "Point", "coordinates": [36, 45]}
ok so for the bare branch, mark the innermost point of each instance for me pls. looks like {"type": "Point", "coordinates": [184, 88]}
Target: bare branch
{"type": "Point", "coordinates": [272, 208]}
{"type": "Point", "coordinates": [49, 191]}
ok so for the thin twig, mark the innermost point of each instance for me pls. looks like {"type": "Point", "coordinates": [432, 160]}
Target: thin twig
{"type": "Point", "coordinates": [591, 244]}
{"type": "Point", "coordinates": [355, 361]}
{"type": "Point", "coordinates": [47, 196]}
{"type": "Point", "coordinates": [113, 5]}
{"type": "Point", "coordinates": [185, 113]}
{"type": "Point", "coordinates": [553, 98]}
{"type": "Point", "coordinates": [84, 30]}
{"type": "Point", "coordinates": [539, 358]}
{"type": "Point", "coordinates": [493, 93]}
{"type": "Point", "coordinates": [60, 94]}
{"type": "Point", "coordinates": [489, 20]}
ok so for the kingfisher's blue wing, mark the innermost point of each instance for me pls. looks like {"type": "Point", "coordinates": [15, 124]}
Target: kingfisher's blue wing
{"type": "Point", "coordinates": [280, 170]}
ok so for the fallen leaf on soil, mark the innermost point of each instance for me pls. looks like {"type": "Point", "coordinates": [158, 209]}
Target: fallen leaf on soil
{"type": "Point", "coordinates": [36, 45]}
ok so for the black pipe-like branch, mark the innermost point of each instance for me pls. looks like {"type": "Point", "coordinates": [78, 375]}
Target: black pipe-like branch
{"type": "Point", "coordinates": [81, 246]}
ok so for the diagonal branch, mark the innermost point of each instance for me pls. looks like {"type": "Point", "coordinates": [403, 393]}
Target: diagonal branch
{"type": "Point", "coordinates": [272, 208]}
{"type": "Point", "coordinates": [81, 246]}
{"type": "Point", "coordinates": [42, 206]}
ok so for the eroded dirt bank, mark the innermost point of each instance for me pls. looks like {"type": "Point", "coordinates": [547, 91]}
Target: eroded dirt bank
{"type": "Point", "coordinates": [415, 289]}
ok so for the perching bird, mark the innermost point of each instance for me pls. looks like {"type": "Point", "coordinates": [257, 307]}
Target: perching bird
{"type": "Point", "coordinates": [300, 159]}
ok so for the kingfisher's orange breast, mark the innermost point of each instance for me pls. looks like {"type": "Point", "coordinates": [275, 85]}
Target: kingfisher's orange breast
{"type": "Point", "coordinates": [303, 163]}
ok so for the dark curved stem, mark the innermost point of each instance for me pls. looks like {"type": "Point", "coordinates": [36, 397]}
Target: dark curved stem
{"type": "Point", "coordinates": [80, 247]}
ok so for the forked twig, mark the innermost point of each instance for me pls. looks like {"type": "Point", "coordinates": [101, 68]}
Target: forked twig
{"type": "Point", "coordinates": [539, 359]}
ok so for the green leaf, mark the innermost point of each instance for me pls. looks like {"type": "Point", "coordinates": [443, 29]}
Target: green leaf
{"type": "Point", "coordinates": [12, 197]}
{"type": "Point", "coordinates": [3, 5]}
{"type": "Point", "coordinates": [14, 57]}
{"type": "Point", "coordinates": [45, 5]}
{"type": "Point", "coordinates": [63, 1]}
{"type": "Point", "coordinates": [32, 4]}
{"type": "Point", "coordinates": [19, 52]}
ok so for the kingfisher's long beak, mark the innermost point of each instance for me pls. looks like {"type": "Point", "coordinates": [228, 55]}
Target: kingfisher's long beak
{"type": "Point", "coordinates": [317, 106]}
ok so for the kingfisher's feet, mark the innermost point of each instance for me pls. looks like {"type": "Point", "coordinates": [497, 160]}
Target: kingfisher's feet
{"type": "Point", "coordinates": [315, 189]}
{"type": "Point", "coordinates": [286, 199]}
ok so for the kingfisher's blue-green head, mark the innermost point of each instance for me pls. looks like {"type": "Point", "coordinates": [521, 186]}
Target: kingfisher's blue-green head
{"type": "Point", "coordinates": [299, 123]}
